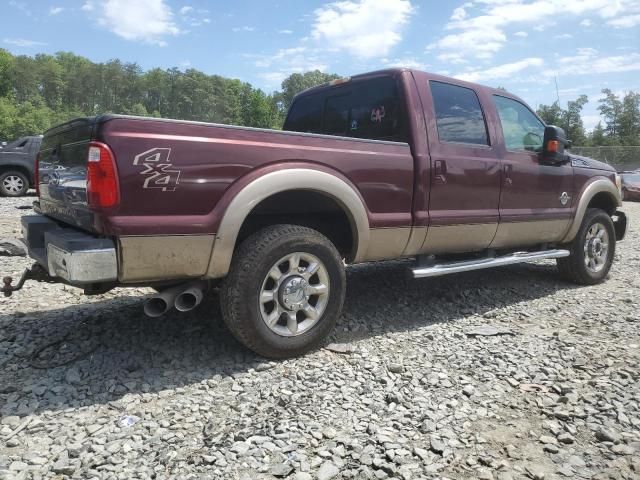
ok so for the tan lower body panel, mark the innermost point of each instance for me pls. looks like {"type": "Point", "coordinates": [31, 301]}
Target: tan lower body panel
{"type": "Point", "coordinates": [520, 234]}
{"type": "Point", "coordinates": [416, 240]}
{"type": "Point", "coordinates": [387, 243]}
{"type": "Point", "coordinates": [165, 257]}
{"type": "Point", "coordinates": [458, 238]}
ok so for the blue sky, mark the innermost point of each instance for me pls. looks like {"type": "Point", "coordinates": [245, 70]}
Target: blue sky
{"type": "Point", "coordinates": [522, 45]}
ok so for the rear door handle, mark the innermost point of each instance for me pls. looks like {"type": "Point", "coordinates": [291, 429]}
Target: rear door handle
{"type": "Point", "coordinates": [508, 172]}
{"type": "Point", "coordinates": [440, 171]}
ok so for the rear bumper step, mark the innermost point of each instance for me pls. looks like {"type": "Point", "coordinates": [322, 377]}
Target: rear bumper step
{"type": "Point", "coordinates": [70, 254]}
{"type": "Point", "coordinates": [488, 262]}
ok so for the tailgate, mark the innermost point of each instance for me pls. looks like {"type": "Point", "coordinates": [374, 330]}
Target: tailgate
{"type": "Point", "coordinates": [63, 172]}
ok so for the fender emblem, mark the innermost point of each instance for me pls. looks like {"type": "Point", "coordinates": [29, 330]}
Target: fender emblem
{"type": "Point", "coordinates": [564, 198]}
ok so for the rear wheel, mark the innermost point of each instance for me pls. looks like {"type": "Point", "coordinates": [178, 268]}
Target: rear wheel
{"type": "Point", "coordinates": [284, 291]}
{"type": "Point", "coordinates": [592, 250]}
{"type": "Point", "coordinates": [13, 184]}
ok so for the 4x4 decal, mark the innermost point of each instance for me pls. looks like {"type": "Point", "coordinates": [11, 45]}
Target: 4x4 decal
{"type": "Point", "coordinates": [158, 169]}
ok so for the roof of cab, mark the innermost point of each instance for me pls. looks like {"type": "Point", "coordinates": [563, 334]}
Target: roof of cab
{"type": "Point", "coordinates": [417, 73]}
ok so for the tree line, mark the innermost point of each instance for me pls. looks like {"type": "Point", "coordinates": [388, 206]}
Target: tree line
{"type": "Point", "coordinates": [620, 124]}
{"type": "Point", "coordinates": [44, 90]}
{"type": "Point", "coordinates": [40, 91]}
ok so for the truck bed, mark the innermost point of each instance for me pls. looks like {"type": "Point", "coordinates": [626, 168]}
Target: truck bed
{"type": "Point", "coordinates": [176, 177]}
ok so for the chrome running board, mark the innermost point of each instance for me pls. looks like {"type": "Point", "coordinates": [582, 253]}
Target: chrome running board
{"type": "Point", "coordinates": [481, 263]}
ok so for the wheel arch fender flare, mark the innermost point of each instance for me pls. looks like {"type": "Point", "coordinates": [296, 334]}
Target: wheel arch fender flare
{"type": "Point", "coordinates": [593, 188]}
{"type": "Point", "coordinates": [261, 188]}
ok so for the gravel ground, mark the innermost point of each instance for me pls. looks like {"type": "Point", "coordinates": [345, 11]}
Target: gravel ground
{"type": "Point", "coordinates": [90, 388]}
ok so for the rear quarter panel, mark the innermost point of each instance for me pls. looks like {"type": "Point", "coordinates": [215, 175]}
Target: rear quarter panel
{"type": "Point", "coordinates": [196, 169]}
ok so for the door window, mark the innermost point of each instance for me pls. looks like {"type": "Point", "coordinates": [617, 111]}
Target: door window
{"type": "Point", "coordinates": [459, 116]}
{"type": "Point", "coordinates": [521, 129]}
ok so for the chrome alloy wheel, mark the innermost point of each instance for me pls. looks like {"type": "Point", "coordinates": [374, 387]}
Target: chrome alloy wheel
{"type": "Point", "coordinates": [13, 184]}
{"type": "Point", "coordinates": [294, 294]}
{"type": "Point", "coordinates": [596, 247]}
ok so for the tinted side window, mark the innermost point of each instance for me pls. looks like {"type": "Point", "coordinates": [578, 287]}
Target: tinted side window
{"type": "Point", "coordinates": [520, 127]}
{"type": "Point", "coordinates": [305, 115]}
{"type": "Point", "coordinates": [18, 144]}
{"type": "Point", "coordinates": [375, 111]}
{"type": "Point", "coordinates": [367, 109]}
{"type": "Point", "coordinates": [459, 116]}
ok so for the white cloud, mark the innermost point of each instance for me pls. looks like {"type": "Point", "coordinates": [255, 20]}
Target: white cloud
{"type": "Point", "coordinates": [563, 36]}
{"type": "Point", "coordinates": [628, 21]}
{"type": "Point", "coordinates": [88, 7]}
{"type": "Point", "coordinates": [148, 21]}
{"type": "Point", "coordinates": [186, 9]}
{"type": "Point", "coordinates": [55, 10]}
{"type": "Point", "coordinates": [590, 121]}
{"type": "Point", "coordinates": [364, 28]}
{"type": "Point", "coordinates": [22, 42]}
{"type": "Point", "coordinates": [244, 28]}
{"type": "Point", "coordinates": [478, 28]}
{"type": "Point", "coordinates": [454, 58]}
{"type": "Point", "coordinates": [285, 62]}
{"type": "Point", "coordinates": [506, 70]}
{"type": "Point", "coordinates": [285, 32]}
{"type": "Point", "coordinates": [586, 23]}
{"type": "Point", "coordinates": [588, 61]}
{"type": "Point", "coordinates": [483, 43]}
{"type": "Point", "coordinates": [404, 62]}
{"type": "Point", "coordinates": [521, 34]}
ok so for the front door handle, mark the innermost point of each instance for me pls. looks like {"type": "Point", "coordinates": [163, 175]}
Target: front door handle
{"type": "Point", "coordinates": [440, 172]}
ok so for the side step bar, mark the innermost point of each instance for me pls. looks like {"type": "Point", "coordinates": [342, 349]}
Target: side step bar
{"type": "Point", "coordinates": [478, 264]}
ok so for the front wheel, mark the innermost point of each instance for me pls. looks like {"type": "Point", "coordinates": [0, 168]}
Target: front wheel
{"type": "Point", "coordinates": [592, 250]}
{"type": "Point", "coordinates": [284, 291]}
{"type": "Point", "coordinates": [13, 184]}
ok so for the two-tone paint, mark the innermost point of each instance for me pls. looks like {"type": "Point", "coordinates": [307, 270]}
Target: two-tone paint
{"type": "Point", "coordinates": [187, 187]}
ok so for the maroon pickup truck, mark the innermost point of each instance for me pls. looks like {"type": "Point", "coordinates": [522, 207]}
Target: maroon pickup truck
{"type": "Point", "coordinates": [390, 164]}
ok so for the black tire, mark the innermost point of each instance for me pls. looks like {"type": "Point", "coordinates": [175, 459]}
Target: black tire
{"type": "Point", "coordinates": [251, 264]}
{"type": "Point", "coordinates": [574, 268]}
{"type": "Point", "coordinates": [13, 183]}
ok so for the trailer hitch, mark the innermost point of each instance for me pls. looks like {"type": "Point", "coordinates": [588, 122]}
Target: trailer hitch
{"type": "Point", "coordinates": [35, 272]}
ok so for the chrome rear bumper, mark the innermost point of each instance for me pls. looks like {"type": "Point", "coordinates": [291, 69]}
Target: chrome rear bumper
{"type": "Point", "coordinates": [76, 257]}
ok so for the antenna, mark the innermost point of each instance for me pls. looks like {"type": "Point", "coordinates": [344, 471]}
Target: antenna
{"type": "Point", "coordinates": [557, 91]}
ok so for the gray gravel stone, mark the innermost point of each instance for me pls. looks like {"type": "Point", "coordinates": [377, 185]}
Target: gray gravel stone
{"type": "Point", "coordinates": [399, 405]}
{"type": "Point", "coordinates": [327, 471]}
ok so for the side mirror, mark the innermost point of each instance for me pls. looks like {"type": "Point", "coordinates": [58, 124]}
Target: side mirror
{"type": "Point", "coordinates": [553, 146]}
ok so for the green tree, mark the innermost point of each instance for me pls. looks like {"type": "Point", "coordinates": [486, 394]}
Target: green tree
{"type": "Point", "coordinates": [572, 121]}
{"type": "Point", "coordinates": [597, 137]}
{"type": "Point", "coordinates": [611, 110]}
{"type": "Point", "coordinates": [297, 82]}
{"type": "Point", "coordinates": [551, 114]}
{"type": "Point", "coordinates": [260, 111]}
{"type": "Point", "coordinates": [630, 119]}
{"type": "Point", "coordinates": [44, 90]}
{"type": "Point", "coordinates": [6, 73]}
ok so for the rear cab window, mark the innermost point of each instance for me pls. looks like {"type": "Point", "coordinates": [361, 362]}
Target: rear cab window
{"type": "Point", "coordinates": [459, 116]}
{"type": "Point", "coordinates": [369, 109]}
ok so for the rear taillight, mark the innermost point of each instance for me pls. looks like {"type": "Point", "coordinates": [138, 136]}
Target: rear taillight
{"type": "Point", "coordinates": [102, 177]}
{"type": "Point", "coordinates": [36, 175]}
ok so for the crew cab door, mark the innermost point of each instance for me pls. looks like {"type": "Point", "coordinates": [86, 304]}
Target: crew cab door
{"type": "Point", "coordinates": [465, 170]}
{"type": "Point", "coordinates": [535, 199]}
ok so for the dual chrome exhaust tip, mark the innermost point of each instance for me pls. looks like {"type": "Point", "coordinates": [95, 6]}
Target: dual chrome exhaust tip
{"type": "Point", "coordinates": [184, 298]}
